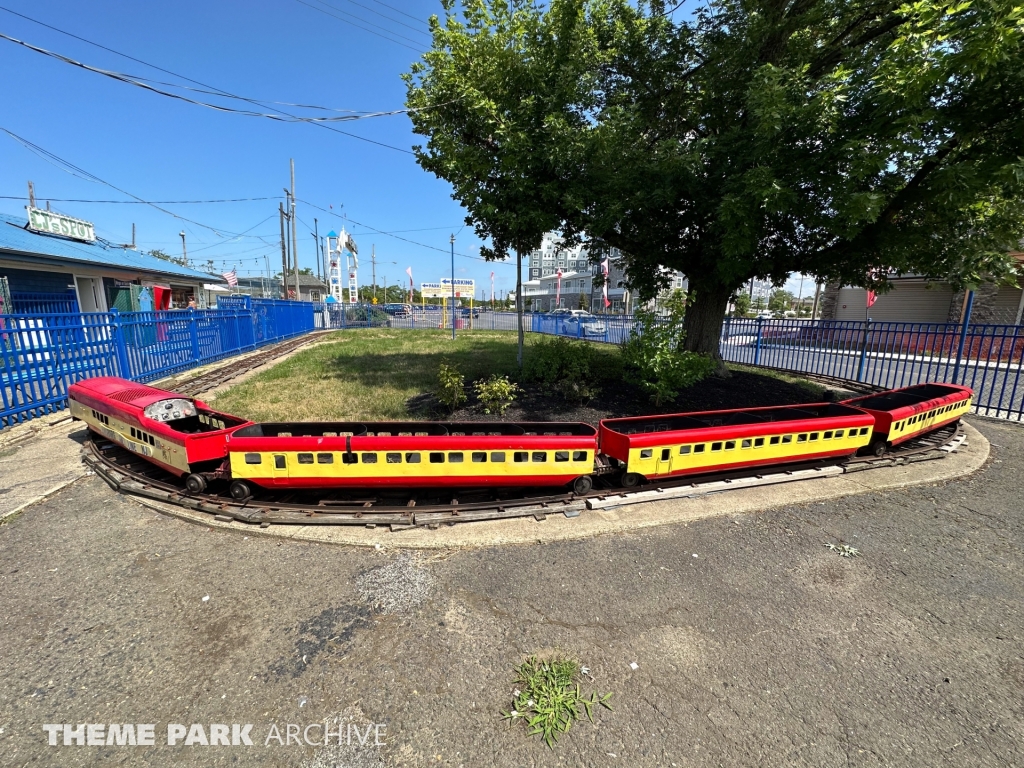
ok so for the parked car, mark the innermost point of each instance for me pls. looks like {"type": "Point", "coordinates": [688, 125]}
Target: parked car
{"type": "Point", "coordinates": [398, 310]}
{"type": "Point", "coordinates": [465, 312]}
{"type": "Point", "coordinates": [579, 322]}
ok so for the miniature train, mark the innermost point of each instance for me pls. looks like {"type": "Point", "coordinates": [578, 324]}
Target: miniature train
{"type": "Point", "coordinates": [189, 439]}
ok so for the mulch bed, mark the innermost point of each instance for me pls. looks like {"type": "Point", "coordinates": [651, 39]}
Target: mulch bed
{"type": "Point", "coordinates": [741, 389]}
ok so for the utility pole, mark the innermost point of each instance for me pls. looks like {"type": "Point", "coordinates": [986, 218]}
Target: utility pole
{"type": "Point", "coordinates": [373, 264]}
{"type": "Point", "coordinates": [31, 195]}
{"type": "Point", "coordinates": [184, 253]}
{"type": "Point", "coordinates": [295, 241]}
{"type": "Point", "coordinates": [284, 254]}
{"type": "Point", "coordinates": [316, 247]}
{"type": "Point", "coordinates": [133, 233]}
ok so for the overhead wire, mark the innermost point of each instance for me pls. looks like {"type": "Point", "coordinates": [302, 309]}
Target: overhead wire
{"type": "Point", "coordinates": [197, 82]}
{"type": "Point", "coordinates": [420, 29]}
{"type": "Point", "coordinates": [144, 202]}
{"type": "Point", "coordinates": [359, 26]}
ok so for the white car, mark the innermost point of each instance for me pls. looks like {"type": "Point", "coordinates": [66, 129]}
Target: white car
{"type": "Point", "coordinates": [578, 322]}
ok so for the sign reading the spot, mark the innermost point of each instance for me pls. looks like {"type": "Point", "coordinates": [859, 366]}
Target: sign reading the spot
{"type": "Point", "coordinates": [55, 224]}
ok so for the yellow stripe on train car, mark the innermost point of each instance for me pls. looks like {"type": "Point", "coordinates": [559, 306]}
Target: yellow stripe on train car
{"type": "Point", "coordinates": [650, 462]}
{"type": "Point", "coordinates": [404, 464]}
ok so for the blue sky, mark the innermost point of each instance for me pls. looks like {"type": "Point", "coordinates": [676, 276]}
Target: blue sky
{"type": "Point", "coordinates": [163, 149]}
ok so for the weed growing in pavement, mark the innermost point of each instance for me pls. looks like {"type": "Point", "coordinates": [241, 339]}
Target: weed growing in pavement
{"type": "Point", "coordinates": [496, 393]}
{"type": "Point", "coordinates": [547, 698]}
{"type": "Point", "coordinates": [451, 386]}
{"type": "Point", "coordinates": [843, 550]}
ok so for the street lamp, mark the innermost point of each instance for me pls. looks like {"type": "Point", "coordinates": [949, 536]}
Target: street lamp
{"type": "Point", "coordinates": [453, 286]}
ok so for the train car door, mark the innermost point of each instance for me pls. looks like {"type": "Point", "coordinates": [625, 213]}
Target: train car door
{"type": "Point", "coordinates": [280, 469]}
{"type": "Point", "coordinates": [664, 460]}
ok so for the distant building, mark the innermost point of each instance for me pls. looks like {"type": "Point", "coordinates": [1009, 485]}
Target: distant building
{"type": "Point", "coordinates": [578, 276]}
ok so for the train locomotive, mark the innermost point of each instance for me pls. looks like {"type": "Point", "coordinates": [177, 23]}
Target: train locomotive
{"type": "Point", "coordinates": [191, 440]}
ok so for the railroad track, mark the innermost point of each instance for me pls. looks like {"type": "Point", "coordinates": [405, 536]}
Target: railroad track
{"type": "Point", "coordinates": [207, 381]}
{"type": "Point", "coordinates": [127, 473]}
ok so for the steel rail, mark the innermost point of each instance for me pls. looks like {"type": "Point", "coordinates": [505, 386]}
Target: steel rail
{"type": "Point", "coordinates": [127, 473]}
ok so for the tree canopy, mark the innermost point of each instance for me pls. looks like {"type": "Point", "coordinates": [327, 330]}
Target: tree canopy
{"type": "Point", "coordinates": [851, 140]}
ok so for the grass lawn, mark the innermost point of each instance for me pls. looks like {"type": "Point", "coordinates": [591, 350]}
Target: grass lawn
{"type": "Point", "coordinates": [369, 374]}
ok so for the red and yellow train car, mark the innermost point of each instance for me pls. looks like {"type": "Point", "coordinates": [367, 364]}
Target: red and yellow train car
{"type": "Point", "coordinates": [183, 435]}
{"type": "Point", "coordinates": [712, 441]}
{"type": "Point", "coordinates": [411, 455]}
{"type": "Point", "coordinates": [903, 414]}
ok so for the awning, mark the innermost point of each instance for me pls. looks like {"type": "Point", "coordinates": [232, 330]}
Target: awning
{"type": "Point", "coordinates": [215, 288]}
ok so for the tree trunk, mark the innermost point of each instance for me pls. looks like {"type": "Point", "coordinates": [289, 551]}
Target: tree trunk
{"type": "Point", "coordinates": [703, 322]}
{"type": "Point", "coordinates": [519, 307]}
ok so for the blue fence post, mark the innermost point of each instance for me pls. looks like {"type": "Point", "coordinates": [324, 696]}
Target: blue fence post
{"type": "Point", "coordinates": [193, 330]}
{"type": "Point", "coordinates": [963, 334]}
{"type": "Point", "coordinates": [757, 343]}
{"type": "Point", "coordinates": [863, 350]}
{"type": "Point", "coordinates": [120, 348]}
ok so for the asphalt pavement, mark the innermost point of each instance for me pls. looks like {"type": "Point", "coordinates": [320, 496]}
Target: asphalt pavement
{"type": "Point", "coordinates": [741, 640]}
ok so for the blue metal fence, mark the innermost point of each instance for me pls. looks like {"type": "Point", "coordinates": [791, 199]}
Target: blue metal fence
{"type": "Point", "coordinates": [37, 303]}
{"type": "Point", "coordinates": [42, 354]}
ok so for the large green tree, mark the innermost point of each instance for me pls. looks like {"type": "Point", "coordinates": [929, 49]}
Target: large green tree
{"type": "Point", "coordinates": [846, 139]}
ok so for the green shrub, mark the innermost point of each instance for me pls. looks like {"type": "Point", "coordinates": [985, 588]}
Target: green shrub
{"type": "Point", "coordinates": [496, 393]}
{"type": "Point", "coordinates": [547, 698]}
{"type": "Point", "coordinates": [656, 361]}
{"type": "Point", "coordinates": [565, 365]}
{"type": "Point", "coordinates": [451, 389]}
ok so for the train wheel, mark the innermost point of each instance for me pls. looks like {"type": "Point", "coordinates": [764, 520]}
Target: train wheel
{"type": "Point", "coordinates": [240, 491]}
{"type": "Point", "coordinates": [583, 485]}
{"type": "Point", "coordinates": [879, 447]}
{"type": "Point", "coordinates": [195, 483]}
{"type": "Point", "coordinates": [631, 480]}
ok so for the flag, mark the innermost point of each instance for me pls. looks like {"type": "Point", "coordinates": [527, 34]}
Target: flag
{"type": "Point", "coordinates": [231, 277]}
{"type": "Point", "coordinates": [604, 271]}
{"type": "Point", "coordinates": [558, 290]}
{"type": "Point", "coordinates": [408, 271]}
{"type": "Point", "coordinates": [871, 298]}
{"type": "Point", "coordinates": [492, 290]}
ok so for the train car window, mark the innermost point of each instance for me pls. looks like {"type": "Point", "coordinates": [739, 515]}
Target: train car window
{"type": "Point", "coordinates": [814, 435]}
{"type": "Point", "coordinates": [666, 453]}
{"type": "Point", "coordinates": [716, 446]}
{"type": "Point", "coordinates": [280, 462]}
{"type": "Point", "coordinates": [838, 433]}
{"type": "Point", "coordinates": [827, 436]}
{"type": "Point", "coordinates": [412, 458]}
{"type": "Point", "coordinates": [253, 458]}
{"type": "Point", "coordinates": [774, 440]}
{"type": "Point", "coordinates": [802, 437]}
{"type": "Point", "coordinates": [730, 444]}
{"type": "Point", "coordinates": [520, 457]}
{"type": "Point", "coordinates": [479, 456]}
{"type": "Point", "coordinates": [455, 457]}
{"type": "Point", "coordinates": [350, 458]}
{"type": "Point", "coordinates": [437, 458]}
{"type": "Point", "coordinates": [746, 444]}
{"type": "Point", "coordinates": [561, 455]}
{"type": "Point", "coordinates": [579, 455]}
{"type": "Point", "coordinates": [683, 450]}
{"type": "Point", "coordinates": [498, 456]}
{"type": "Point", "coordinates": [787, 439]}
{"type": "Point", "coordinates": [646, 453]}
{"type": "Point", "coordinates": [369, 458]}
{"type": "Point", "coordinates": [863, 430]}
{"type": "Point", "coordinates": [540, 456]}
{"type": "Point", "coordinates": [393, 458]}
{"type": "Point", "coordinates": [325, 458]}
{"type": "Point", "coordinates": [305, 458]}
{"type": "Point", "coordinates": [699, 448]}
{"type": "Point", "coordinates": [759, 442]}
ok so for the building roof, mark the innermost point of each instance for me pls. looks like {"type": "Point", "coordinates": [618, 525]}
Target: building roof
{"type": "Point", "coordinates": [15, 238]}
{"type": "Point", "coordinates": [306, 281]}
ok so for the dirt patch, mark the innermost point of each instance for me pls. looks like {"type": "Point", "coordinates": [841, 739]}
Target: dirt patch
{"type": "Point", "coordinates": [742, 389]}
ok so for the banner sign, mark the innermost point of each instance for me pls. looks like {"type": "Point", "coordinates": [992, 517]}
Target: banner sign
{"type": "Point", "coordinates": [56, 224]}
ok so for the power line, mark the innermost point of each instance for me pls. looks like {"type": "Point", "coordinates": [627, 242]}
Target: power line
{"type": "Point", "coordinates": [417, 30]}
{"type": "Point", "coordinates": [81, 173]}
{"type": "Point", "coordinates": [396, 10]}
{"type": "Point", "coordinates": [358, 26]}
{"type": "Point", "coordinates": [197, 82]}
{"type": "Point", "coordinates": [137, 82]}
{"type": "Point", "coordinates": [143, 202]}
